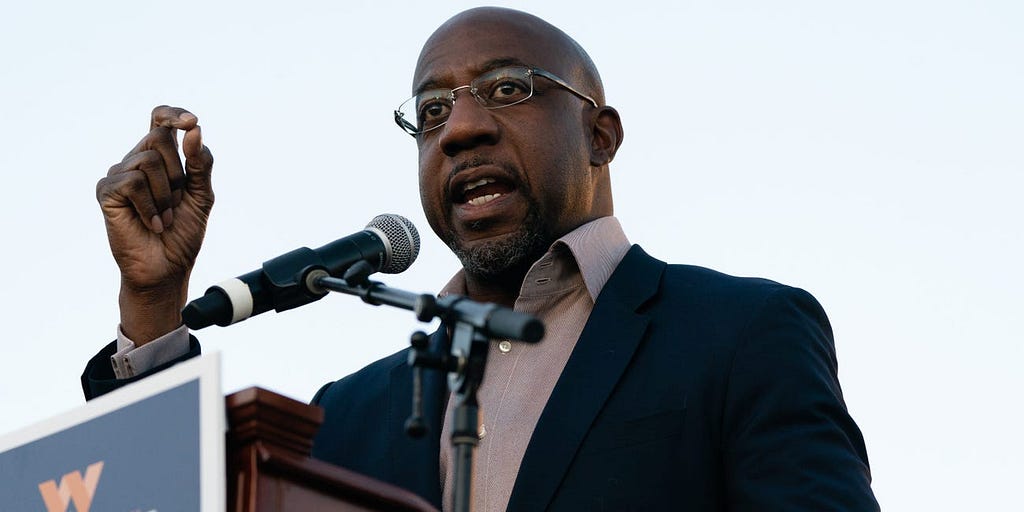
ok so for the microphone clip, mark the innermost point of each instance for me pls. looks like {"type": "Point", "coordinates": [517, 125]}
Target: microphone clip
{"type": "Point", "coordinates": [290, 288]}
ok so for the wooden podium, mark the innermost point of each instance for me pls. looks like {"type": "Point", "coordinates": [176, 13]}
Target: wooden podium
{"type": "Point", "coordinates": [269, 468]}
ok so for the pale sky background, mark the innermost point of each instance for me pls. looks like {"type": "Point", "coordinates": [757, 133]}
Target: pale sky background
{"type": "Point", "coordinates": [869, 152]}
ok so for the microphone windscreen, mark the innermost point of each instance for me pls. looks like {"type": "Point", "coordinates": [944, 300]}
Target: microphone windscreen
{"type": "Point", "coordinates": [403, 239]}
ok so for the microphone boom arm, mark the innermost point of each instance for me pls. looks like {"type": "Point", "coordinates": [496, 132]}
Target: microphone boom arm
{"type": "Point", "coordinates": [490, 320]}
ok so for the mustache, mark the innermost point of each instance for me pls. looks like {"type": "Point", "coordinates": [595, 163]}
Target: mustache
{"type": "Point", "coordinates": [475, 161]}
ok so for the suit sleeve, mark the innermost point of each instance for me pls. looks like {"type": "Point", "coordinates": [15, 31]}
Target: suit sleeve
{"type": "Point", "coordinates": [98, 378]}
{"type": "Point", "coordinates": [788, 442]}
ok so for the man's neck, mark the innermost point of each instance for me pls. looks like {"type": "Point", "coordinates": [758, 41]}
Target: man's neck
{"type": "Point", "coordinates": [502, 289]}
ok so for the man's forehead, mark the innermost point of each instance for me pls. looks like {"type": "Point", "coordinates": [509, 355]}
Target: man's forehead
{"type": "Point", "coordinates": [450, 76]}
{"type": "Point", "coordinates": [451, 73]}
{"type": "Point", "coordinates": [465, 47]}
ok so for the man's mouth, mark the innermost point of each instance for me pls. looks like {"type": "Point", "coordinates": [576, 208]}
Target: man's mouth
{"type": "Point", "coordinates": [482, 191]}
{"type": "Point", "coordinates": [485, 199]}
{"type": "Point", "coordinates": [480, 185]}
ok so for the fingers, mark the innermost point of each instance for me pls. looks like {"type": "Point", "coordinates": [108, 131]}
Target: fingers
{"type": "Point", "coordinates": [157, 156]}
{"type": "Point", "coordinates": [121, 188]}
{"type": "Point", "coordinates": [152, 164]}
{"type": "Point", "coordinates": [152, 179]}
{"type": "Point", "coordinates": [172, 117]}
{"type": "Point", "coordinates": [163, 137]}
{"type": "Point", "coordinates": [164, 141]}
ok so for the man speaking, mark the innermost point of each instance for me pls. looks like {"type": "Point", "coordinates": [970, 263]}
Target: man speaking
{"type": "Point", "coordinates": [656, 387]}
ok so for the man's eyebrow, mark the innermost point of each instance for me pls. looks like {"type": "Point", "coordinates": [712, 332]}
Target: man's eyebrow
{"type": "Point", "coordinates": [500, 62]}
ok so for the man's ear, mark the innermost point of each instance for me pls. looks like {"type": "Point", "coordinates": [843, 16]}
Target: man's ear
{"type": "Point", "coordinates": [606, 136]}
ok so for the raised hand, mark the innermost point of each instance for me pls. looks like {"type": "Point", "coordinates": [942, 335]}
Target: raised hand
{"type": "Point", "coordinates": [156, 212]}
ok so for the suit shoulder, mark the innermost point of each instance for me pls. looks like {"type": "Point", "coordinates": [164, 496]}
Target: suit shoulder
{"type": "Point", "coordinates": [712, 283]}
{"type": "Point", "coordinates": [701, 290]}
{"type": "Point", "coordinates": [726, 304]}
{"type": "Point", "coordinates": [370, 381]}
{"type": "Point", "coordinates": [734, 305]}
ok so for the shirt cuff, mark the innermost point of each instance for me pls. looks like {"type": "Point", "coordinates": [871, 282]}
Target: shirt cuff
{"type": "Point", "coordinates": [129, 361]}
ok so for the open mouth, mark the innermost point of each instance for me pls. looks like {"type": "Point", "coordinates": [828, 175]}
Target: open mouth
{"type": "Point", "coordinates": [482, 191]}
{"type": "Point", "coordinates": [481, 184]}
{"type": "Point", "coordinates": [486, 198]}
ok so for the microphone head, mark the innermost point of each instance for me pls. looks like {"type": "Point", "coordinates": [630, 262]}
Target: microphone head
{"type": "Point", "coordinates": [402, 239]}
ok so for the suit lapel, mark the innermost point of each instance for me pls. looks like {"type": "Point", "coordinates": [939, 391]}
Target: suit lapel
{"type": "Point", "coordinates": [414, 462]}
{"type": "Point", "coordinates": [602, 353]}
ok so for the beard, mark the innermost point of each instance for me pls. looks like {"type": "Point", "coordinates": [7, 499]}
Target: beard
{"type": "Point", "coordinates": [509, 255]}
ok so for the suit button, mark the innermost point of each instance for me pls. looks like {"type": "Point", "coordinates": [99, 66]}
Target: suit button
{"type": "Point", "coordinates": [505, 346]}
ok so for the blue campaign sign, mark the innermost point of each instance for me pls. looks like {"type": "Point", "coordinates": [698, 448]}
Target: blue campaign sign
{"type": "Point", "coordinates": [157, 445]}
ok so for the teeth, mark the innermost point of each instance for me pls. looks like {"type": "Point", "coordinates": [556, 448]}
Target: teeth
{"type": "Point", "coordinates": [475, 184]}
{"type": "Point", "coordinates": [483, 199]}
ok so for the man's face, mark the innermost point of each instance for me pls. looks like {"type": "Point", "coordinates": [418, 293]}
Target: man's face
{"type": "Point", "coordinates": [499, 186]}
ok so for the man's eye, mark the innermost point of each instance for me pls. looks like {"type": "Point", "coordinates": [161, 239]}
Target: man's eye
{"type": "Point", "coordinates": [509, 90]}
{"type": "Point", "coordinates": [433, 110]}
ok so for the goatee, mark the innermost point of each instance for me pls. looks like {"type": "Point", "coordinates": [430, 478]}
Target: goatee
{"type": "Point", "coordinates": [514, 252]}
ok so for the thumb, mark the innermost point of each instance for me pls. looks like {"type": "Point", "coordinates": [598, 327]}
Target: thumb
{"type": "Point", "coordinates": [198, 162]}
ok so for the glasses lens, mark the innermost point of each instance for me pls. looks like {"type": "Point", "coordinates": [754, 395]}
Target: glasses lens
{"type": "Point", "coordinates": [503, 87]}
{"type": "Point", "coordinates": [424, 111]}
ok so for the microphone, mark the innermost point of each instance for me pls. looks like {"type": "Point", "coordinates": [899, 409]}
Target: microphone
{"type": "Point", "coordinates": [389, 244]}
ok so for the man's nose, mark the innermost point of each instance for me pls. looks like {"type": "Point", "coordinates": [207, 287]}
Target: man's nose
{"type": "Point", "coordinates": [469, 125]}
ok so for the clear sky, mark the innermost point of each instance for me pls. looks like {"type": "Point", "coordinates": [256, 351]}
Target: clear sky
{"type": "Point", "coordinates": [869, 152]}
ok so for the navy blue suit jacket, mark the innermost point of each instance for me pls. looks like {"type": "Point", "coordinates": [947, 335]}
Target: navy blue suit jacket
{"type": "Point", "coordinates": [687, 390]}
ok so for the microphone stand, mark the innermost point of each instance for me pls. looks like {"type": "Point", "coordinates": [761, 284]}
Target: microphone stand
{"type": "Point", "coordinates": [467, 343]}
{"type": "Point", "coordinates": [472, 325]}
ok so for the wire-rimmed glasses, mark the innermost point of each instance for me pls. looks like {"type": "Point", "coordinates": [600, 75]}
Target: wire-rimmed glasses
{"type": "Point", "coordinates": [498, 88]}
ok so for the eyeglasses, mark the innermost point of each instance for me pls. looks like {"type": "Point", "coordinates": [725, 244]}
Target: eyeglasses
{"type": "Point", "coordinates": [498, 88]}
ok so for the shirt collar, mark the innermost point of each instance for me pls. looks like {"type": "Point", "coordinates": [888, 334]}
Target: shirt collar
{"type": "Point", "coordinates": [596, 248]}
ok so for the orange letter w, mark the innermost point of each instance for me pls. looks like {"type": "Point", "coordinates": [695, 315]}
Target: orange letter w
{"type": "Point", "coordinates": [72, 488]}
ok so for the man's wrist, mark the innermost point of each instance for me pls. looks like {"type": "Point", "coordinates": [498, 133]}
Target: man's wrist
{"type": "Point", "coordinates": [149, 314]}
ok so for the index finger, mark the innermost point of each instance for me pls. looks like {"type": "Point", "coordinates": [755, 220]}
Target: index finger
{"type": "Point", "coordinates": [172, 117]}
